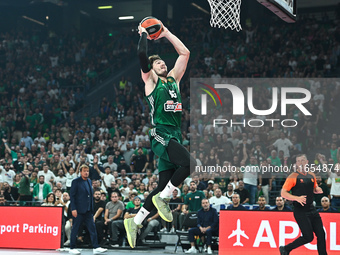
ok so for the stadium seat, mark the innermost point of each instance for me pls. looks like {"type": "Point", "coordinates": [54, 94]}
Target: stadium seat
{"type": "Point", "coordinates": [190, 221]}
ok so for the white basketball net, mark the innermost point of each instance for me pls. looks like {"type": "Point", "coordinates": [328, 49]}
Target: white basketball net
{"type": "Point", "coordinates": [225, 13]}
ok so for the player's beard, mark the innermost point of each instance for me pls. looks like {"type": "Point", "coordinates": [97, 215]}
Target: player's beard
{"type": "Point", "coordinates": [163, 73]}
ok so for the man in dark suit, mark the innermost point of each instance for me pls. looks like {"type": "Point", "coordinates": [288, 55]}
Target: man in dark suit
{"type": "Point", "coordinates": [207, 224]}
{"type": "Point", "coordinates": [81, 195]}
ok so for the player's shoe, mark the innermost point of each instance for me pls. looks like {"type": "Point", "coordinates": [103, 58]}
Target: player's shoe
{"type": "Point", "coordinates": [162, 205]}
{"type": "Point", "coordinates": [131, 229]}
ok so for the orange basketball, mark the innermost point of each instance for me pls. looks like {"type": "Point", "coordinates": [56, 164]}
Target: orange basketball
{"type": "Point", "coordinates": [153, 26]}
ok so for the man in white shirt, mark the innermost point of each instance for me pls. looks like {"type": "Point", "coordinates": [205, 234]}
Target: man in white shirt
{"type": "Point", "coordinates": [125, 190]}
{"type": "Point", "coordinates": [334, 182]}
{"type": "Point", "coordinates": [70, 176]}
{"type": "Point", "coordinates": [250, 176]}
{"type": "Point", "coordinates": [90, 157]}
{"type": "Point", "coordinates": [101, 140]}
{"type": "Point", "coordinates": [58, 146]}
{"type": "Point", "coordinates": [107, 178]}
{"type": "Point", "coordinates": [61, 178]}
{"type": "Point", "coordinates": [48, 174]}
{"type": "Point", "coordinates": [123, 176]}
{"type": "Point", "coordinates": [122, 144]}
{"type": "Point", "coordinates": [40, 139]}
{"type": "Point", "coordinates": [283, 144]}
{"type": "Point", "coordinates": [218, 200]}
{"type": "Point", "coordinates": [7, 174]}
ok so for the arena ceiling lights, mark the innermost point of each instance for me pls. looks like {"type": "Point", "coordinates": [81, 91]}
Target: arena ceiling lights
{"type": "Point", "coordinates": [126, 17]}
{"type": "Point", "coordinates": [105, 7]}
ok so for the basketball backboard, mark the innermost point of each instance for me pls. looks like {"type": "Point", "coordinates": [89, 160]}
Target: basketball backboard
{"type": "Point", "coordinates": [285, 9]}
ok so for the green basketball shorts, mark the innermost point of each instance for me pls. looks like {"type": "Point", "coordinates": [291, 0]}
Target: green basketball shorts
{"type": "Point", "coordinates": [159, 138]}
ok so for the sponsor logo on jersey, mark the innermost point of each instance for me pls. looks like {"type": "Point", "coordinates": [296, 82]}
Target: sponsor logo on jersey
{"type": "Point", "coordinates": [171, 106]}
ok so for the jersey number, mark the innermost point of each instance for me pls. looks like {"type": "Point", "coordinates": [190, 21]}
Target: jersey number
{"type": "Point", "coordinates": [172, 94]}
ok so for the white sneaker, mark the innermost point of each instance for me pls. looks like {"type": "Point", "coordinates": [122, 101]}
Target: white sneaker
{"type": "Point", "coordinates": [172, 230]}
{"type": "Point", "coordinates": [99, 250]}
{"type": "Point", "coordinates": [191, 250]}
{"type": "Point", "coordinates": [74, 251]}
{"type": "Point", "coordinates": [163, 230]}
{"type": "Point", "coordinates": [67, 243]}
{"type": "Point", "coordinates": [209, 251]}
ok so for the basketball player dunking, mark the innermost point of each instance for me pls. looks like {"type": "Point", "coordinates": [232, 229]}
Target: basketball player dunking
{"type": "Point", "coordinates": [303, 186]}
{"type": "Point", "coordinates": [162, 92]}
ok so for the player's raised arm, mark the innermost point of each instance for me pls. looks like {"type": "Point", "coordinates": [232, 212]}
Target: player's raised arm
{"type": "Point", "coordinates": [182, 61]}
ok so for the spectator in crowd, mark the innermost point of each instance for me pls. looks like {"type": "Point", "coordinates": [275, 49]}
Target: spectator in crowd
{"type": "Point", "coordinates": [262, 204]}
{"type": "Point", "coordinates": [114, 218]}
{"type": "Point", "coordinates": [24, 187]}
{"type": "Point", "coordinates": [2, 200]}
{"type": "Point", "coordinates": [70, 176]}
{"type": "Point", "coordinates": [219, 201]}
{"type": "Point", "coordinates": [130, 203]}
{"type": "Point", "coordinates": [192, 202]}
{"type": "Point", "coordinates": [140, 161]}
{"type": "Point", "coordinates": [27, 140]}
{"type": "Point", "coordinates": [61, 178]}
{"type": "Point", "coordinates": [123, 165]}
{"type": "Point", "coordinates": [283, 144]}
{"type": "Point", "coordinates": [147, 177]}
{"type": "Point", "coordinates": [50, 200]}
{"type": "Point", "coordinates": [250, 179]}
{"type": "Point", "coordinates": [209, 188]}
{"type": "Point", "coordinates": [41, 189]}
{"type": "Point", "coordinates": [325, 189]}
{"type": "Point", "coordinates": [243, 193]}
{"type": "Point", "coordinates": [103, 196]}
{"type": "Point", "coordinates": [125, 190]}
{"type": "Point", "coordinates": [110, 164]}
{"type": "Point", "coordinates": [66, 204]}
{"type": "Point", "coordinates": [132, 211]}
{"type": "Point", "coordinates": [236, 205]}
{"type": "Point", "coordinates": [193, 199]}
{"type": "Point", "coordinates": [207, 224]}
{"type": "Point", "coordinates": [48, 174]}
{"type": "Point", "coordinates": [274, 159]}
{"type": "Point", "coordinates": [326, 205]}
{"type": "Point", "coordinates": [113, 188]}
{"type": "Point", "coordinates": [229, 192]}
{"type": "Point", "coordinates": [58, 197]}
{"type": "Point", "coordinates": [335, 187]}
{"type": "Point", "coordinates": [123, 176]}
{"type": "Point", "coordinates": [8, 174]}
{"type": "Point", "coordinates": [281, 205]}
{"type": "Point", "coordinates": [99, 207]}
{"type": "Point", "coordinates": [107, 177]}
{"type": "Point", "coordinates": [11, 193]}
{"type": "Point", "coordinates": [175, 207]}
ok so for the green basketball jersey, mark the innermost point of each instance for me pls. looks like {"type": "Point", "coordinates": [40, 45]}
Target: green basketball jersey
{"type": "Point", "coordinates": [165, 104]}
